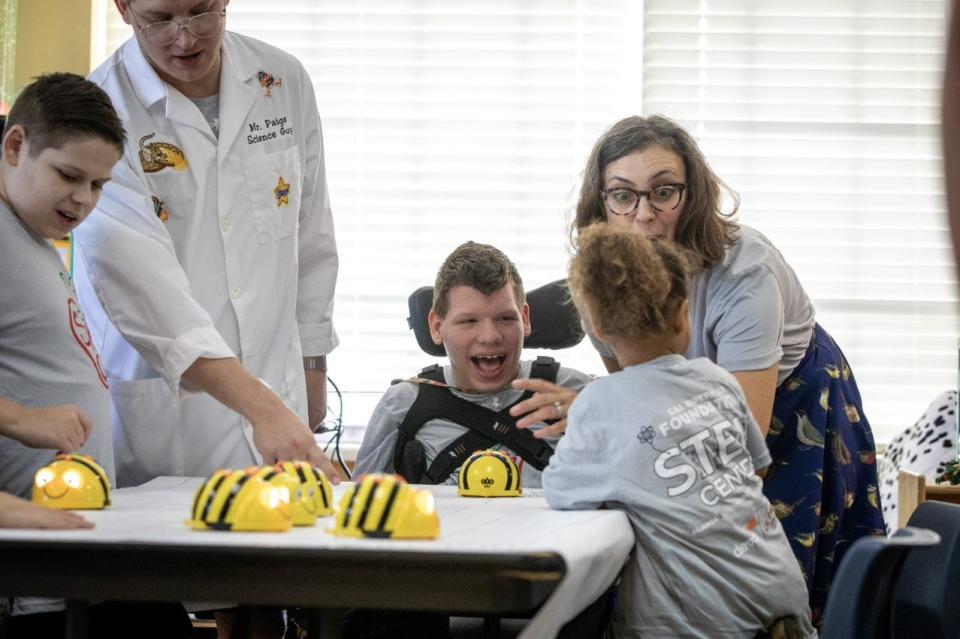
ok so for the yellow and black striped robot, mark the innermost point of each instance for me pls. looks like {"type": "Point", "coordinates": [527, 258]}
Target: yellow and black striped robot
{"type": "Point", "coordinates": [384, 506]}
{"type": "Point", "coordinates": [241, 500]}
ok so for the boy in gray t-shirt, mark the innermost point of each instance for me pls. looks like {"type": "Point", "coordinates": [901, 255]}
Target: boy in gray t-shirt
{"type": "Point", "coordinates": [61, 141]}
{"type": "Point", "coordinates": [672, 443]}
{"type": "Point", "coordinates": [481, 317]}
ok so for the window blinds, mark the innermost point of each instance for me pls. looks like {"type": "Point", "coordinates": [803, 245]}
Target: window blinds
{"type": "Point", "coordinates": [824, 116]}
{"type": "Point", "coordinates": [448, 120]}
{"type": "Point", "coordinates": [445, 121]}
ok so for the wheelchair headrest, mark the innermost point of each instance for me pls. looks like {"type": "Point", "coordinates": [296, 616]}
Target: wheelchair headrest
{"type": "Point", "coordinates": [554, 320]}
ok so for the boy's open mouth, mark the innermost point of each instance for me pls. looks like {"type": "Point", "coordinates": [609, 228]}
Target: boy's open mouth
{"type": "Point", "coordinates": [489, 365]}
{"type": "Point", "coordinates": [68, 216]}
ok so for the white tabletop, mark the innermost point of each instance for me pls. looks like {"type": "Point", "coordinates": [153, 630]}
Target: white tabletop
{"type": "Point", "coordinates": [594, 544]}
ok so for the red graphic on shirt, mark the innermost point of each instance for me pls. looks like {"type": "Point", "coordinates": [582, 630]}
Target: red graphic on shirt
{"type": "Point", "coordinates": [78, 326]}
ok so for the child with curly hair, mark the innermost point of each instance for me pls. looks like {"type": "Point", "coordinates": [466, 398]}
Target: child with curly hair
{"type": "Point", "coordinates": [672, 443]}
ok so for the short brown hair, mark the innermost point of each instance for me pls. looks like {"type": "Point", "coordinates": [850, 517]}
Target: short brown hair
{"type": "Point", "coordinates": [703, 228]}
{"type": "Point", "coordinates": [479, 266]}
{"type": "Point", "coordinates": [630, 285]}
{"type": "Point", "coordinates": [58, 106]}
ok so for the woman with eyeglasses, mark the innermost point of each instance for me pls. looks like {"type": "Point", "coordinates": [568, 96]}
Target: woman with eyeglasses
{"type": "Point", "coordinates": [751, 316]}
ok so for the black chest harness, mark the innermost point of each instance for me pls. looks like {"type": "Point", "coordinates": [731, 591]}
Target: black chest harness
{"type": "Point", "coordinates": [487, 427]}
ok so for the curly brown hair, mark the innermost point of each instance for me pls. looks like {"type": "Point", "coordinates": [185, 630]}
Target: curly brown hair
{"type": "Point", "coordinates": [629, 285]}
{"type": "Point", "coordinates": [703, 229]}
{"type": "Point", "coordinates": [480, 266]}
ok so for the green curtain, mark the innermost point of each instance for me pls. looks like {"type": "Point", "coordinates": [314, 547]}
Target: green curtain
{"type": "Point", "coordinates": [8, 37]}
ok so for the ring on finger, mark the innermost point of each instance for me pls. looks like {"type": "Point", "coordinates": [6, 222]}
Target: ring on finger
{"type": "Point", "coordinates": [559, 408]}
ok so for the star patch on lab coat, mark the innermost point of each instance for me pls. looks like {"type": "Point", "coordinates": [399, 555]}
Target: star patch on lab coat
{"type": "Point", "coordinates": [281, 192]}
{"type": "Point", "coordinates": [268, 81]}
{"type": "Point", "coordinates": [157, 156]}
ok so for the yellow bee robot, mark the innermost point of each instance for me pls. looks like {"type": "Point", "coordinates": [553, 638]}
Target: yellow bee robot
{"type": "Point", "coordinates": [72, 482]}
{"type": "Point", "coordinates": [385, 506]}
{"type": "Point", "coordinates": [241, 500]}
{"type": "Point", "coordinates": [309, 490]}
{"type": "Point", "coordinates": [489, 473]}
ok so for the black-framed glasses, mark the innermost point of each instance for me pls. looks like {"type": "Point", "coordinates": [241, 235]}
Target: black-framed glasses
{"type": "Point", "coordinates": [164, 32]}
{"type": "Point", "coordinates": [624, 201]}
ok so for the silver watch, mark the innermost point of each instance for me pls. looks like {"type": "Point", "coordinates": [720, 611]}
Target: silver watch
{"type": "Point", "coordinates": [315, 363]}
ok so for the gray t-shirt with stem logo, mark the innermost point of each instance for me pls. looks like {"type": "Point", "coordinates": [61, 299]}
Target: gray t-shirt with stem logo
{"type": "Point", "coordinates": [672, 443]}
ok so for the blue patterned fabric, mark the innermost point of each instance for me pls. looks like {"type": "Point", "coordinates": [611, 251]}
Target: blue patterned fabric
{"type": "Point", "coordinates": [823, 480]}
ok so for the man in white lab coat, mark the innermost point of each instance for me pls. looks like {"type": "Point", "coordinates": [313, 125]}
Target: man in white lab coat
{"type": "Point", "coordinates": [210, 263]}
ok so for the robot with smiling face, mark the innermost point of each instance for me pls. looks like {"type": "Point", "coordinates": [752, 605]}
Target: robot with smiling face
{"type": "Point", "coordinates": [72, 482]}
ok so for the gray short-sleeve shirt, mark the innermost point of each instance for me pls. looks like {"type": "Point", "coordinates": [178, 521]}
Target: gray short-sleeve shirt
{"type": "Point", "coordinates": [380, 438]}
{"type": "Point", "coordinates": [47, 357]}
{"type": "Point", "coordinates": [711, 558]}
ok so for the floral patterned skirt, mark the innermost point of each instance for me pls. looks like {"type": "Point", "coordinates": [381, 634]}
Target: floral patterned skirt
{"type": "Point", "coordinates": [823, 480]}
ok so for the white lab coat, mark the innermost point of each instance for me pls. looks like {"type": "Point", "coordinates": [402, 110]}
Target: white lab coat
{"type": "Point", "coordinates": [233, 271]}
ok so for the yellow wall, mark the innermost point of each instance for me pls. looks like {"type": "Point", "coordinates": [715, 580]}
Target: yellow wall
{"type": "Point", "coordinates": [52, 35]}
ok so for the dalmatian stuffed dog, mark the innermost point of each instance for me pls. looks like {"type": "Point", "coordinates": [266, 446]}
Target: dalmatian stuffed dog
{"type": "Point", "coordinates": [924, 448]}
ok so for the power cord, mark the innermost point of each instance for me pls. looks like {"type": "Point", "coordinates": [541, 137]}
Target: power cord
{"type": "Point", "coordinates": [334, 425]}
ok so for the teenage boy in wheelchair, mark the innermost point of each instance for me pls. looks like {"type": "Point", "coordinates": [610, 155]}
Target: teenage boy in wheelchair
{"type": "Point", "coordinates": [425, 427]}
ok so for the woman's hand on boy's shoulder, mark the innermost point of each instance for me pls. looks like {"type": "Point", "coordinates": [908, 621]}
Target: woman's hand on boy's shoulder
{"type": "Point", "coordinates": [62, 428]}
{"type": "Point", "coordinates": [20, 513]}
{"type": "Point", "coordinates": [549, 401]}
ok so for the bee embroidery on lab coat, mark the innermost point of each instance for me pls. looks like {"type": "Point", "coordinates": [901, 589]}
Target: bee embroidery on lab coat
{"type": "Point", "coordinates": [267, 81]}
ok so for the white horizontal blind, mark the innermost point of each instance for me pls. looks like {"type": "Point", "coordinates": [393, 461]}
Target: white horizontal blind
{"type": "Point", "coordinates": [449, 120]}
{"type": "Point", "coordinates": [824, 116]}
{"type": "Point", "coordinates": [446, 120]}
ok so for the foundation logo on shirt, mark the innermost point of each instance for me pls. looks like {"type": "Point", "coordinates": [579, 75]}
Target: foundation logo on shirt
{"type": "Point", "coordinates": [268, 82]}
{"type": "Point", "coordinates": [705, 448]}
{"type": "Point", "coordinates": [78, 326]}
{"type": "Point", "coordinates": [159, 209]}
{"type": "Point", "coordinates": [281, 192]}
{"type": "Point", "coordinates": [157, 156]}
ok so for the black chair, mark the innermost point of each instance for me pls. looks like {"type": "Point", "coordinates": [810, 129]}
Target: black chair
{"type": "Point", "coordinates": [860, 605]}
{"type": "Point", "coordinates": [554, 320]}
{"type": "Point", "coordinates": [927, 594]}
